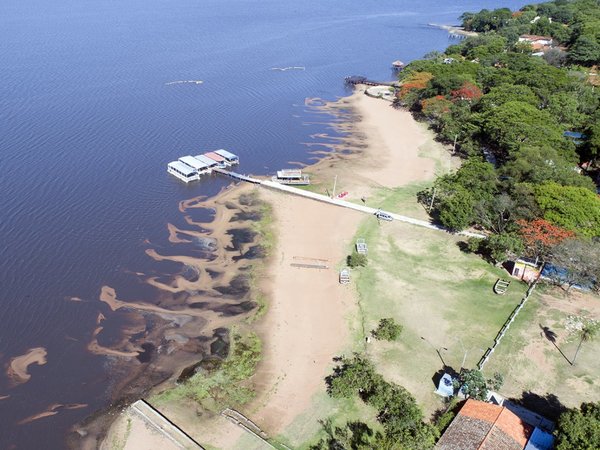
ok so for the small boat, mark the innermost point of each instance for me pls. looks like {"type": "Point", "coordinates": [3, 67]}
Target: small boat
{"type": "Point", "coordinates": [501, 286]}
{"type": "Point", "coordinates": [344, 276]}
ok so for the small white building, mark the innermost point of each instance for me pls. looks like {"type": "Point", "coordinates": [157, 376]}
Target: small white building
{"type": "Point", "coordinates": [182, 171]}
{"type": "Point", "coordinates": [536, 40]}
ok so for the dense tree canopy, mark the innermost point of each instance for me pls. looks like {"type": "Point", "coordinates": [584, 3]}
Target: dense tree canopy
{"type": "Point", "coordinates": [579, 428]}
{"type": "Point", "coordinates": [511, 114]}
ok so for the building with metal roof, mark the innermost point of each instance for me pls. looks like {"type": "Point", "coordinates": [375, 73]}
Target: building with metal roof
{"type": "Point", "coordinates": [194, 163]}
{"type": "Point", "coordinates": [230, 157]}
{"type": "Point", "coordinates": [182, 171]}
{"type": "Point", "coordinates": [206, 160]}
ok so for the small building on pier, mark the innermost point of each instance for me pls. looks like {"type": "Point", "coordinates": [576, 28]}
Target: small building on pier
{"type": "Point", "coordinates": [206, 160]}
{"type": "Point", "coordinates": [291, 176]}
{"type": "Point", "coordinates": [229, 157]}
{"type": "Point", "coordinates": [397, 65]}
{"type": "Point", "coordinates": [182, 171]}
{"type": "Point", "coordinates": [221, 162]}
{"type": "Point", "coordinates": [195, 164]}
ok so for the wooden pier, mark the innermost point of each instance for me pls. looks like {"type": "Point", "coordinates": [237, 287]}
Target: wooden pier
{"type": "Point", "coordinates": [237, 176]}
{"type": "Point", "coordinates": [356, 79]}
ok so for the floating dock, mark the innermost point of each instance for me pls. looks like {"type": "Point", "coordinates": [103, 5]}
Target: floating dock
{"type": "Point", "coordinates": [189, 168]}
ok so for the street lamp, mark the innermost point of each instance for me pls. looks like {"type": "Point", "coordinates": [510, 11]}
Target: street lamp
{"type": "Point", "coordinates": [437, 350]}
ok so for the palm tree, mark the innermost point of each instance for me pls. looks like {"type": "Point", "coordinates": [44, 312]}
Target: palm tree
{"type": "Point", "coordinates": [588, 332]}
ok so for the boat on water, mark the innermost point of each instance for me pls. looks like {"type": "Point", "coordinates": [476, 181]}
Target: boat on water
{"type": "Point", "coordinates": [291, 176]}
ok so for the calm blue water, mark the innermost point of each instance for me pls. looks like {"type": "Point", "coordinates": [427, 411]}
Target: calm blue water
{"type": "Point", "coordinates": [88, 123]}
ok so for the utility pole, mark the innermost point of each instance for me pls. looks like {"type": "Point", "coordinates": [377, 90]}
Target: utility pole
{"type": "Point", "coordinates": [454, 146]}
{"type": "Point", "coordinates": [432, 199]}
{"type": "Point", "coordinates": [334, 183]}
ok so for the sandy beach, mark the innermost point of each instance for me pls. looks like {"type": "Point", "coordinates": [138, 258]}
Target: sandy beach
{"type": "Point", "coordinates": [307, 322]}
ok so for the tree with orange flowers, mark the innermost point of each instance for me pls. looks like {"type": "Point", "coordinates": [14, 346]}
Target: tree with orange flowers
{"type": "Point", "coordinates": [540, 236]}
{"type": "Point", "coordinates": [467, 92]}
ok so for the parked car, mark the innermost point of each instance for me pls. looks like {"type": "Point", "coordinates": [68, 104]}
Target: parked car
{"type": "Point", "coordinates": [381, 215]}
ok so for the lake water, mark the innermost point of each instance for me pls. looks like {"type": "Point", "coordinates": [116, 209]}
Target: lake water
{"type": "Point", "coordinates": [90, 116]}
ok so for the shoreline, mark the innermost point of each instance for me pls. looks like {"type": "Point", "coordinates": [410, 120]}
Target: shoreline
{"type": "Point", "coordinates": [306, 323]}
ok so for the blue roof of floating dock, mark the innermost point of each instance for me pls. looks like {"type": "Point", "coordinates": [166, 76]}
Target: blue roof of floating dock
{"type": "Point", "coordinates": [227, 155]}
{"type": "Point", "coordinates": [206, 160]}
{"type": "Point", "coordinates": [193, 162]}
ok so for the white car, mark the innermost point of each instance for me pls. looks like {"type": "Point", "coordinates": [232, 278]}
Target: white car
{"type": "Point", "coordinates": [383, 216]}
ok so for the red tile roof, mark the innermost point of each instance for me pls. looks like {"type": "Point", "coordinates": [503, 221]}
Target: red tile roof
{"type": "Point", "coordinates": [483, 426]}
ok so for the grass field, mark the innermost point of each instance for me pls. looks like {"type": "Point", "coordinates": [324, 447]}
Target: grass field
{"type": "Point", "coordinates": [442, 296]}
{"type": "Point", "coordinates": [450, 314]}
{"type": "Point", "coordinates": [536, 366]}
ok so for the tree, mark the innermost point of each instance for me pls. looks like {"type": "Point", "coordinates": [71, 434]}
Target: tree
{"type": "Point", "coordinates": [351, 375]}
{"type": "Point", "coordinates": [579, 429]}
{"type": "Point", "coordinates": [585, 50]}
{"type": "Point", "coordinates": [387, 330]}
{"type": "Point", "coordinates": [357, 260]}
{"type": "Point", "coordinates": [588, 332]}
{"type": "Point", "coordinates": [543, 164]}
{"type": "Point", "coordinates": [540, 236]}
{"type": "Point", "coordinates": [468, 92]}
{"type": "Point", "coordinates": [577, 262]}
{"type": "Point", "coordinates": [505, 93]}
{"type": "Point", "coordinates": [473, 384]}
{"type": "Point", "coordinates": [515, 124]}
{"type": "Point", "coordinates": [495, 214]}
{"type": "Point", "coordinates": [456, 209]}
{"type": "Point", "coordinates": [499, 247]}
{"type": "Point", "coordinates": [434, 108]}
{"type": "Point", "coordinates": [574, 208]}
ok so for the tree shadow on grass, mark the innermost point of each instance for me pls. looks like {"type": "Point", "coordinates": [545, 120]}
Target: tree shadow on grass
{"type": "Point", "coordinates": [551, 337]}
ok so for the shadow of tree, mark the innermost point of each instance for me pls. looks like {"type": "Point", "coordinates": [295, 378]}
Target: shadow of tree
{"type": "Point", "coordinates": [551, 337]}
{"type": "Point", "coordinates": [547, 405]}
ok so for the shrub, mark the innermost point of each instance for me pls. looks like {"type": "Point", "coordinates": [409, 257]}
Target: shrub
{"type": "Point", "coordinates": [387, 330]}
{"type": "Point", "coordinates": [357, 260]}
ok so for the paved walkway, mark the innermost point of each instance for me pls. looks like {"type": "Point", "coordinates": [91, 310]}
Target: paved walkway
{"type": "Point", "coordinates": [357, 207]}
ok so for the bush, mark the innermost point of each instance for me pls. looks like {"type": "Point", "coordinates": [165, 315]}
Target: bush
{"type": "Point", "coordinates": [387, 330]}
{"type": "Point", "coordinates": [357, 260]}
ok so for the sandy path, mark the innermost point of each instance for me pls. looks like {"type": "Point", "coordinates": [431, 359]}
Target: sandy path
{"type": "Point", "coordinates": [305, 326]}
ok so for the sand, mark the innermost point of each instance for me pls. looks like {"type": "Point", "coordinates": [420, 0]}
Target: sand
{"type": "Point", "coordinates": [306, 324]}
{"type": "Point", "coordinates": [307, 321]}
{"type": "Point", "coordinates": [17, 368]}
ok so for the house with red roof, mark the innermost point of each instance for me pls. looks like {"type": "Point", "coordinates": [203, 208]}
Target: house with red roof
{"type": "Point", "coordinates": [485, 426]}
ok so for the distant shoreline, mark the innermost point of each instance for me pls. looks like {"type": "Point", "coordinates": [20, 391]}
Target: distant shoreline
{"type": "Point", "coordinates": [453, 29]}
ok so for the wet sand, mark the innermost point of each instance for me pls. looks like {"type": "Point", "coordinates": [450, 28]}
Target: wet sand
{"type": "Point", "coordinates": [17, 368]}
{"type": "Point", "coordinates": [161, 337]}
{"type": "Point", "coordinates": [306, 323]}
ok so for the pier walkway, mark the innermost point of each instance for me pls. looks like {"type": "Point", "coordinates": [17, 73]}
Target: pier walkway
{"type": "Point", "coordinates": [237, 176]}
{"type": "Point", "coordinates": [338, 202]}
{"type": "Point", "coordinates": [357, 207]}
